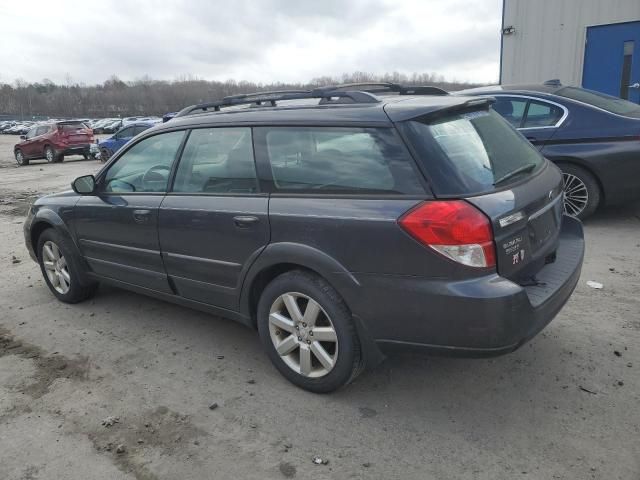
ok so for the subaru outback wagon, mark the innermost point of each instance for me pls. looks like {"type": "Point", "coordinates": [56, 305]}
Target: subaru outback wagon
{"type": "Point", "coordinates": [339, 222]}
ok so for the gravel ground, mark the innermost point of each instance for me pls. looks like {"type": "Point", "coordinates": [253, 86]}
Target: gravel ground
{"type": "Point", "coordinates": [565, 406]}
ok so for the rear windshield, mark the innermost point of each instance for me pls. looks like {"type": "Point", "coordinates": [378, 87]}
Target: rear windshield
{"type": "Point", "coordinates": [606, 102]}
{"type": "Point", "coordinates": [472, 153]}
{"type": "Point", "coordinates": [72, 127]}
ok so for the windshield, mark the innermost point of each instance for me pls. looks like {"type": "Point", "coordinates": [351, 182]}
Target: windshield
{"type": "Point", "coordinates": [606, 102]}
{"type": "Point", "coordinates": [472, 153]}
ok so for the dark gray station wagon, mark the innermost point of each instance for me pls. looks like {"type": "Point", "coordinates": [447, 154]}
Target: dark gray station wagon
{"type": "Point", "coordinates": [340, 222]}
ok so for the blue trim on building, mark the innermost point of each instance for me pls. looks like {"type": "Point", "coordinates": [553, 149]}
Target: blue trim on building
{"type": "Point", "coordinates": [501, 43]}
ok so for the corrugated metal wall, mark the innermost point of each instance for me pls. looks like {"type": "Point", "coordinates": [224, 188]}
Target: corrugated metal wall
{"type": "Point", "coordinates": [549, 36]}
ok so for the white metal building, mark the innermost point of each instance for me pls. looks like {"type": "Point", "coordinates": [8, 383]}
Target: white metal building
{"type": "Point", "coordinates": [593, 43]}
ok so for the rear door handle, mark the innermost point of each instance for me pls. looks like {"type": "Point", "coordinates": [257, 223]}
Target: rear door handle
{"type": "Point", "coordinates": [245, 221]}
{"type": "Point", "coordinates": [141, 216]}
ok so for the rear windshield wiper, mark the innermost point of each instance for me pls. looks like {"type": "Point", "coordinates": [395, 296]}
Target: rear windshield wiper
{"type": "Point", "coordinates": [523, 169]}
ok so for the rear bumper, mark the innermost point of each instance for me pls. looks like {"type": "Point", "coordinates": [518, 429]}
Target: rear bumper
{"type": "Point", "coordinates": [77, 149]}
{"type": "Point", "coordinates": [483, 316]}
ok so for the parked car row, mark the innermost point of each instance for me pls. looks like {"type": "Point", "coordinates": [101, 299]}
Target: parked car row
{"type": "Point", "coordinates": [112, 125]}
{"type": "Point", "coordinates": [100, 125]}
{"type": "Point", "coordinates": [15, 128]}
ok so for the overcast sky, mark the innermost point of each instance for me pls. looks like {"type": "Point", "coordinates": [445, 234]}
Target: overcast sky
{"type": "Point", "coordinates": [255, 40]}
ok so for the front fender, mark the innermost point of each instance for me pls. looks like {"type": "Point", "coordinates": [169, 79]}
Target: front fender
{"type": "Point", "coordinates": [47, 218]}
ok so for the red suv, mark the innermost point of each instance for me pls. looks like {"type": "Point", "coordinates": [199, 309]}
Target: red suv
{"type": "Point", "coordinates": [53, 141]}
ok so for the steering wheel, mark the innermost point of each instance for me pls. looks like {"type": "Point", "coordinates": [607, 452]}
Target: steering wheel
{"type": "Point", "coordinates": [153, 175]}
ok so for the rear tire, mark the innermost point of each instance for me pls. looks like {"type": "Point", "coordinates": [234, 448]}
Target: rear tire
{"type": "Point", "coordinates": [20, 160]}
{"type": "Point", "coordinates": [319, 346]}
{"type": "Point", "coordinates": [581, 190]}
{"type": "Point", "coordinates": [62, 269]}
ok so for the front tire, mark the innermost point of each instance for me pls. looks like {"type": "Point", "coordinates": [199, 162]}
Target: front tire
{"type": "Point", "coordinates": [307, 331]}
{"type": "Point", "coordinates": [20, 160]}
{"type": "Point", "coordinates": [581, 191]}
{"type": "Point", "coordinates": [61, 268]}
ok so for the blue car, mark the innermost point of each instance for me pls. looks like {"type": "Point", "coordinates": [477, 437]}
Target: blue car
{"type": "Point", "coordinates": [111, 145]}
{"type": "Point", "coordinates": [592, 137]}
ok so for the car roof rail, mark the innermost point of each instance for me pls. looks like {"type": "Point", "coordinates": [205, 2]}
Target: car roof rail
{"type": "Point", "coordinates": [348, 93]}
{"type": "Point", "coordinates": [389, 87]}
{"type": "Point", "coordinates": [270, 99]}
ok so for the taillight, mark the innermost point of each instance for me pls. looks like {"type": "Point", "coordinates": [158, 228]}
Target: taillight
{"type": "Point", "coordinates": [454, 229]}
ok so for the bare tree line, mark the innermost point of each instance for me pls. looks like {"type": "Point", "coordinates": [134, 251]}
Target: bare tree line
{"type": "Point", "coordinates": [147, 96]}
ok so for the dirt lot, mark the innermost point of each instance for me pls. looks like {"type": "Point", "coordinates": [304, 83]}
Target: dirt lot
{"type": "Point", "coordinates": [565, 406]}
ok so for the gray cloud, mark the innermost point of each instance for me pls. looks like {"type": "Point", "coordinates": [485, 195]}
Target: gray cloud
{"type": "Point", "coordinates": [268, 40]}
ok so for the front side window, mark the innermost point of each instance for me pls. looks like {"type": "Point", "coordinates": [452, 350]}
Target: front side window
{"type": "Point", "coordinates": [31, 133]}
{"type": "Point", "coordinates": [125, 133]}
{"type": "Point", "coordinates": [145, 167]}
{"type": "Point", "coordinates": [341, 160]}
{"type": "Point", "coordinates": [139, 129]}
{"type": "Point", "coordinates": [42, 131]}
{"type": "Point", "coordinates": [217, 160]}
{"type": "Point", "coordinates": [472, 153]}
{"type": "Point", "coordinates": [542, 114]}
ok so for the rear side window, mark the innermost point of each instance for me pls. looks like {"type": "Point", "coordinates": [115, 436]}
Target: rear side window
{"type": "Point", "coordinates": [472, 153]}
{"type": "Point", "coordinates": [542, 114]}
{"type": "Point", "coordinates": [600, 100]}
{"type": "Point", "coordinates": [341, 160]}
{"type": "Point", "coordinates": [511, 109]}
{"type": "Point", "coordinates": [217, 160]}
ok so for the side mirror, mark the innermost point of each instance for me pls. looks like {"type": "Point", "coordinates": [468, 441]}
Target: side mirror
{"type": "Point", "coordinates": [85, 185]}
{"type": "Point", "coordinates": [23, 137]}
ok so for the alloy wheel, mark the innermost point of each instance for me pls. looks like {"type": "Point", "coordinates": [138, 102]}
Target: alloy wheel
{"type": "Point", "coordinates": [576, 195]}
{"type": "Point", "coordinates": [303, 335]}
{"type": "Point", "coordinates": [19, 157]}
{"type": "Point", "coordinates": [56, 268]}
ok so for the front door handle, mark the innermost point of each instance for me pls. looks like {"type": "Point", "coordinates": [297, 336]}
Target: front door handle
{"type": "Point", "coordinates": [245, 221]}
{"type": "Point", "coordinates": [141, 216]}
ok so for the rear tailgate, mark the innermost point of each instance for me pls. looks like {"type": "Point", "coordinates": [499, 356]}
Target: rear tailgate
{"type": "Point", "coordinates": [526, 223]}
{"type": "Point", "coordinates": [75, 133]}
{"type": "Point", "coordinates": [472, 153]}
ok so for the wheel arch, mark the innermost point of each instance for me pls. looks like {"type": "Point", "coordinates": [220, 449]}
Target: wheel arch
{"type": "Point", "coordinates": [36, 230]}
{"type": "Point", "coordinates": [279, 258]}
